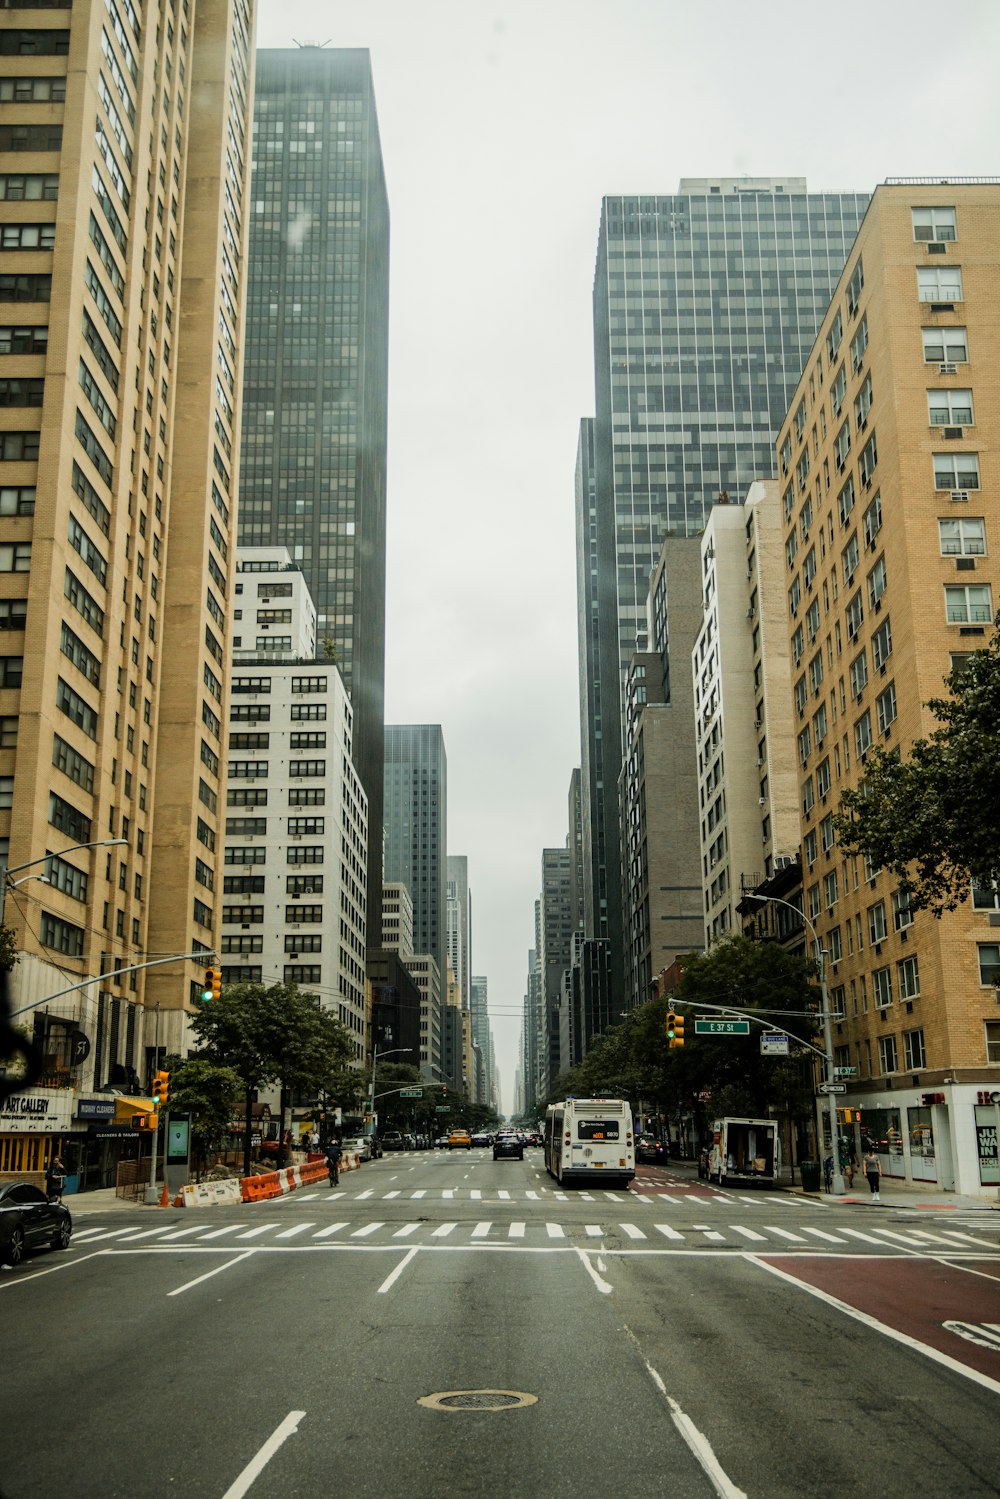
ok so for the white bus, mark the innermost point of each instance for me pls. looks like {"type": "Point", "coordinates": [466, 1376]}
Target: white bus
{"type": "Point", "coordinates": [590, 1137]}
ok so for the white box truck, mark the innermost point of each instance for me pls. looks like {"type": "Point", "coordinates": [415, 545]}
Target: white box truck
{"type": "Point", "coordinates": [744, 1151]}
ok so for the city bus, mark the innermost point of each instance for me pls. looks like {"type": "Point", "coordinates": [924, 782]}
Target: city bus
{"type": "Point", "coordinates": [590, 1138]}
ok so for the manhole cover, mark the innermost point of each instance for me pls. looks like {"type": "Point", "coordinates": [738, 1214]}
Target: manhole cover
{"type": "Point", "coordinates": [477, 1400]}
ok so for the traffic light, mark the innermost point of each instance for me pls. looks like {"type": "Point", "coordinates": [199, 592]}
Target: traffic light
{"type": "Point", "coordinates": [212, 987]}
{"type": "Point", "coordinates": [161, 1085]}
{"type": "Point", "coordinates": [671, 1027]}
{"type": "Point", "coordinates": [144, 1121]}
{"type": "Point", "coordinates": [678, 1031]}
{"type": "Point", "coordinates": [849, 1116]}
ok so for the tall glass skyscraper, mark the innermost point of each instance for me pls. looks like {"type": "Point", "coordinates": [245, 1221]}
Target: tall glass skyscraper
{"type": "Point", "coordinates": [315, 373]}
{"type": "Point", "coordinates": [706, 304]}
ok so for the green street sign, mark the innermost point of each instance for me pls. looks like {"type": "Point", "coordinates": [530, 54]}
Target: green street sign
{"type": "Point", "coordinates": [845, 1072]}
{"type": "Point", "coordinates": [411, 1092]}
{"type": "Point", "coordinates": [443, 1108]}
{"type": "Point", "coordinates": [722, 1027]}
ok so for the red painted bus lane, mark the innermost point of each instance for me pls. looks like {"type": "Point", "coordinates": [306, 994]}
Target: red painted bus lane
{"type": "Point", "coordinates": [918, 1298]}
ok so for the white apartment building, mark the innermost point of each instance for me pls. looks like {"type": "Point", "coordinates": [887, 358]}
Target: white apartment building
{"type": "Point", "coordinates": [295, 881]}
{"type": "Point", "coordinates": [747, 775]}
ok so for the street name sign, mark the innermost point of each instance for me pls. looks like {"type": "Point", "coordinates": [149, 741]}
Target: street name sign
{"type": "Point", "coordinates": [722, 1027]}
{"type": "Point", "coordinates": [411, 1092]}
{"type": "Point", "coordinates": [845, 1072]}
{"type": "Point", "coordinates": [443, 1108]}
{"type": "Point", "coordinates": [833, 1087]}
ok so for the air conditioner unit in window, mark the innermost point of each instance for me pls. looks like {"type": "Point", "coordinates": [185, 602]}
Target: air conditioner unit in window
{"type": "Point", "coordinates": [935, 247]}
{"type": "Point", "coordinates": [960, 496]}
{"type": "Point", "coordinates": [947, 369]}
{"type": "Point", "coordinates": [956, 432]}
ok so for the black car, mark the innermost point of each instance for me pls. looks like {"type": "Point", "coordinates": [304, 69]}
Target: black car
{"type": "Point", "coordinates": [651, 1152]}
{"type": "Point", "coordinates": [29, 1220]}
{"type": "Point", "coordinates": [509, 1146]}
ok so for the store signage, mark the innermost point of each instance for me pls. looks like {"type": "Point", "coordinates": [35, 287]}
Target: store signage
{"type": "Point", "coordinates": [95, 1108]}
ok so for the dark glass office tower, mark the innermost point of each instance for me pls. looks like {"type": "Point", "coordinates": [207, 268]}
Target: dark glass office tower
{"type": "Point", "coordinates": [312, 476]}
{"type": "Point", "coordinates": [706, 305]}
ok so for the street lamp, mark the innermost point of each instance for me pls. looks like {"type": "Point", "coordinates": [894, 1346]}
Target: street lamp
{"type": "Point", "coordinates": [820, 952]}
{"type": "Point", "coordinates": [44, 859]}
{"type": "Point", "coordinates": [394, 1051]}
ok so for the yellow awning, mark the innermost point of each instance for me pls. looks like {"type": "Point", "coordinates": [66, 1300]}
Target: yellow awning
{"type": "Point", "coordinates": [127, 1108]}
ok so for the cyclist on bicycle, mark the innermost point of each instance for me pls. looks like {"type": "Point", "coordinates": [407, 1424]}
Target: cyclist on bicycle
{"type": "Point", "coordinates": [333, 1154]}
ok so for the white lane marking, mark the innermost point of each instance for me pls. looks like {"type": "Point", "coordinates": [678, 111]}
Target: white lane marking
{"type": "Point", "coordinates": [114, 1233]}
{"type": "Point", "coordinates": [562, 1197]}
{"type": "Point", "coordinates": [209, 1273]}
{"type": "Point", "coordinates": [298, 1228]}
{"type": "Point", "coordinates": [668, 1232]}
{"type": "Point", "coordinates": [783, 1233]}
{"type": "Point", "coordinates": [555, 1231]}
{"type": "Point", "coordinates": [504, 1196]}
{"type": "Point", "coordinates": [857, 1233]}
{"type": "Point", "coordinates": [481, 1230]}
{"type": "Point", "coordinates": [921, 1233]}
{"type": "Point", "coordinates": [586, 1196]}
{"type": "Point", "coordinates": [699, 1444]}
{"type": "Point", "coordinates": [593, 1231]}
{"type": "Point", "coordinates": [613, 1197]}
{"type": "Point", "coordinates": [387, 1195]}
{"type": "Point", "coordinates": [533, 1196]}
{"type": "Point", "coordinates": [332, 1228]}
{"type": "Point", "coordinates": [25, 1280]}
{"type": "Point", "coordinates": [255, 1233]}
{"type": "Point", "coordinates": [218, 1233]}
{"type": "Point", "coordinates": [516, 1231]}
{"type": "Point", "coordinates": [985, 1243]}
{"type": "Point", "coordinates": [642, 1197]}
{"type": "Point", "coordinates": [603, 1286]}
{"type": "Point", "coordinates": [370, 1192]}
{"type": "Point", "coordinates": [820, 1233]}
{"type": "Point", "coordinates": [79, 1234]}
{"type": "Point", "coordinates": [748, 1233]}
{"type": "Point", "coordinates": [258, 1463]}
{"type": "Point", "coordinates": [183, 1233]}
{"type": "Point", "coordinates": [394, 1275]}
{"type": "Point", "coordinates": [448, 1194]}
{"type": "Point", "coordinates": [421, 1193]}
{"type": "Point", "coordinates": [406, 1230]}
{"type": "Point", "coordinates": [711, 1233]}
{"type": "Point", "coordinates": [475, 1195]}
{"type": "Point", "coordinates": [906, 1239]}
{"type": "Point", "coordinates": [369, 1228]}
{"type": "Point", "coordinates": [308, 1196]}
{"type": "Point", "coordinates": [632, 1231]}
{"type": "Point", "coordinates": [147, 1233]}
{"type": "Point", "coordinates": [889, 1332]}
{"type": "Point", "coordinates": [443, 1230]}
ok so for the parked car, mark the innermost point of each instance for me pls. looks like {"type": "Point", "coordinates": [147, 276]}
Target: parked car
{"type": "Point", "coordinates": [359, 1145]}
{"type": "Point", "coordinates": [28, 1220]}
{"type": "Point", "coordinates": [652, 1152]}
{"type": "Point", "coordinates": [393, 1140]}
{"type": "Point", "coordinates": [459, 1139]}
{"type": "Point", "coordinates": [508, 1147]}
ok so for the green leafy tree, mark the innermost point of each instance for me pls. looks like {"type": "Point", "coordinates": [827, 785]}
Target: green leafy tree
{"type": "Point", "coordinates": [210, 1095]}
{"type": "Point", "coordinates": [8, 949]}
{"type": "Point", "coordinates": [277, 1032]}
{"type": "Point", "coordinates": [933, 818]}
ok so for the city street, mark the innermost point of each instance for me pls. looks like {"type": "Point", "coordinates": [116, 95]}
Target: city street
{"type": "Point", "coordinates": [671, 1338]}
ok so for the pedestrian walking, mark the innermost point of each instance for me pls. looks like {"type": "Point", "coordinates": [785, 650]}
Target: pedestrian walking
{"type": "Point", "coordinates": [314, 1140]}
{"type": "Point", "coordinates": [55, 1180]}
{"type": "Point", "coordinates": [873, 1171]}
{"type": "Point", "coordinates": [847, 1164]}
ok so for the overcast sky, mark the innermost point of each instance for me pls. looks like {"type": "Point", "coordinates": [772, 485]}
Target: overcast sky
{"type": "Point", "coordinates": [503, 124]}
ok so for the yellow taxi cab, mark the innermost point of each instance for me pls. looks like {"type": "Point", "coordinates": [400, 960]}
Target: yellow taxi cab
{"type": "Point", "coordinates": [459, 1139]}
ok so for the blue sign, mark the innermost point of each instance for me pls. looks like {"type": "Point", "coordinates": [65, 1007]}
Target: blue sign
{"type": "Point", "coordinates": [95, 1108]}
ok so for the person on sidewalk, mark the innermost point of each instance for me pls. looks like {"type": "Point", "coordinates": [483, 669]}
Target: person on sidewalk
{"type": "Point", "coordinates": [873, 1171]}
{"type": "Point", "coordinates": [55, 1180]}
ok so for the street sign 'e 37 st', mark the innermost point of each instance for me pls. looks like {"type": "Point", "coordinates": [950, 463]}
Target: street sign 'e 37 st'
{"type": "Point", "coordinates": [722, 1027]}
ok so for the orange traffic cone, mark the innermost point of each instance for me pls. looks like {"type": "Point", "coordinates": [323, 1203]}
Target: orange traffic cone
{"type": "Point", "coordinates": [165, 1197]}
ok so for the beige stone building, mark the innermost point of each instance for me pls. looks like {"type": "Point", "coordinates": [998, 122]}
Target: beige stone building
{"type": "Point", "coordinates": [747, 786]}
{"type": "Point", "coordinates": [887, 462]}
{"type": "Point", "coordinates": [124, 156]}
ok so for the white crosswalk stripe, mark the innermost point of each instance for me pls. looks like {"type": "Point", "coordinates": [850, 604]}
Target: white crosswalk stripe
{"type": "Point", "coordinates": [555, 1230]}
{"type": "Point", "coordinates": [749, 1233]}
{"type": "Point", "coordinates": [668, 1232]}
{"type": "Point", "coordinates": [481, 1230]}
{"type": "Point", "coordinates": [594, 1231]}
{"type": "Point", "coordinates": [632, 1231]}
{"type": "Point", "coordinates": [516, 1231]}
{"type": "Point", "coordinates": [406, 1230]}
{"type": "Point", "coordinates": [819, 1233]}
{"type": "Point", "coordinates": [784, 1233]}
{"type": "Point", "coordinates": [366, 1230]}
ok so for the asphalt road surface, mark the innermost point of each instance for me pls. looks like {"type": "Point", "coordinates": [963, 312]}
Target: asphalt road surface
{"type": "Point", "coordinates": [448, 1326]}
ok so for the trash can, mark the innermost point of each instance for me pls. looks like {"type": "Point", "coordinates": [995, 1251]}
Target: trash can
{"type": "Point", "coordinates": [810, 1175]}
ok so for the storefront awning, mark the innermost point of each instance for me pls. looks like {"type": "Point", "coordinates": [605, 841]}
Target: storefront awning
{"type": "Point", "coordinates": [127, 1108]}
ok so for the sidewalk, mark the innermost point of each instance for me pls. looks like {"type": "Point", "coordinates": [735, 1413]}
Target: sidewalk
{"type": "Point", "coordinates": [893, 1193]}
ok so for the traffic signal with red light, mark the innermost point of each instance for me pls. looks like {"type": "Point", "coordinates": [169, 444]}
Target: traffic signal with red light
{"type": "Point", "coordinates": [161, 1086]}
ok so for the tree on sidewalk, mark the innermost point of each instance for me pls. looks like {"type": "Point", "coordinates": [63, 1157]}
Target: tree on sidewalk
{"type": "Point", "coordinates": [277, 1032]}
{"type": "Point", "coordinates": [210, 1095]}
{"type": "Point", "coordinates": [933, 819]}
